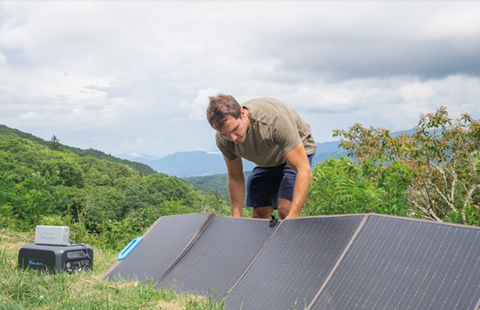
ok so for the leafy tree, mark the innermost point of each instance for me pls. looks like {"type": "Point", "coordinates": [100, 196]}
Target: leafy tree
{"type": "Point", "coordinates": [54, 144]}
{"type": "Point", "coordinates": [103, 203]}
{"type": "Point", "coordinates": [68, 170]}
{"type": "Point", "coordinates": [33, 198]}
{"type": "Point", "coordinates": [341, 186]}
{"type": "Point", "coordinates": [442, 155]}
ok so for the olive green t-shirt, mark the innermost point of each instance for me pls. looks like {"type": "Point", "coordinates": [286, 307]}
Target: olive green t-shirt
{"type": "Point", "coordinates": [275, 129]}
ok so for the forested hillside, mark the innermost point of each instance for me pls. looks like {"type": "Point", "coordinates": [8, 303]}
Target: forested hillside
{"type": "Point", "coordinates": [140, 167]}
{"type": "Point", "coordinates": [102, 199]}
{"type": "Point", "coordinates": [216, 181]}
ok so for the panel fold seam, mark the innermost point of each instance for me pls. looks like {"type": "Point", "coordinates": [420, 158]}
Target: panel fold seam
{"type": "Point", "coordinates": [339, 260]}
{"type": "Point", "coordinates": [192, 241]}
{"type": "Point", "coordinates": [256, 257]}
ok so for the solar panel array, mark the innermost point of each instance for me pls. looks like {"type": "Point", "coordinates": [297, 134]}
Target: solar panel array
{"type": "Point", "coordinates": [329, 262]}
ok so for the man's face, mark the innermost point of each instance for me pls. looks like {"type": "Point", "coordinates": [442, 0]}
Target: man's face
{"type": "Point", "coordinates": [235, 129]}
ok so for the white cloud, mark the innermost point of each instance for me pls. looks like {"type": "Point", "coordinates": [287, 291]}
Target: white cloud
{"type": "Point", "coordinates": [197, 108]}
{"type": "Point", "coordinates": [137, 142]}
{"type": "Point", "coordinates": [136, 75]}
{"type": "Point", "coordinates": [453, 20]}
{"type": "Point", "coordinates": [417, 91]}
{"type": "Point", "coordinates": [29, 116]}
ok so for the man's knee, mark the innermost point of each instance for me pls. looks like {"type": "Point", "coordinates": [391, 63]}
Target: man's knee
{"type": "Point", "coordinates": [283, 207]}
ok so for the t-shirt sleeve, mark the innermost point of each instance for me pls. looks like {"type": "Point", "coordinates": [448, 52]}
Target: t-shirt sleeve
{"type": "Point", "coordinates": [222, 145]}
{"type": "Point", "coordinates": [285, 134]}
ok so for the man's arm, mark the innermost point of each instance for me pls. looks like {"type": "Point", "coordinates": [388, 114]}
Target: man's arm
{"type": "Point", "coordinates": [236, 185]}
{"type": "Point", "coordinates": [297, 159]}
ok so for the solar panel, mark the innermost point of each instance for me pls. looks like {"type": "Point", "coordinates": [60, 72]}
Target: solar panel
{"type": "Point", "coordinates": [295, 263]}
{"type": "Point", "coordinates": [219, 257]}
{"type": "Point", "coordinates": [161, 246]}
{"type": "Point", "coordinates": [399, 263]}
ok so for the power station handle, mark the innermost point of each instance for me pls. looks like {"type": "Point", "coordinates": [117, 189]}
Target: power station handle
{"type": "Point", "coordinates": [129, 248]}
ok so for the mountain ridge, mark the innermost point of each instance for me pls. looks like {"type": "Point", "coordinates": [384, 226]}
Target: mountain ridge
{"type": "Point", "coordinates": [202, 163]}
{"type": "Point", "coordinates": [191, 164]}
{"type": "Point", "coordinates": [182, 164]}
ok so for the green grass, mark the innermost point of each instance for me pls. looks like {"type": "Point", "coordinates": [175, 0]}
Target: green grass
{"type": "Point", "coordinates": [30, 289]}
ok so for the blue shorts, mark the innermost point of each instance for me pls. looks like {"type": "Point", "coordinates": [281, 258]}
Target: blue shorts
{"type": "Point", "coordinates": [266, 185]}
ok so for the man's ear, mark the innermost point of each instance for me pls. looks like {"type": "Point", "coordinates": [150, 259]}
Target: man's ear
{"type": "Point", "coordinates": [244, 112]}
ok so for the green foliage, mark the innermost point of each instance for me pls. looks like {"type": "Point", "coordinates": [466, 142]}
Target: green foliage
{"type": "Point", "coordinates": [394, 183]}
{"type": "Point", "coordinates": [340, 186]}
{"type": "Point", "coordinates": [442, 156]}
{"type": "Point", "coordinates": [217, 182]}
{"type": "Point", "coordinates": [29, 200]}
{"type": "Point", "coordinates": [55, 143]}
{"type": "Point", "coordinates": [105, 203]}
{"type": "Point", "coordinates": [65, 167]}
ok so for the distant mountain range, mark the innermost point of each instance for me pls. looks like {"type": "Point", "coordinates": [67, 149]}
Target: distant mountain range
{"type": "Point", "coordinates": [201, 163]}
{"type": "Point", "coordinates": [182, 164]}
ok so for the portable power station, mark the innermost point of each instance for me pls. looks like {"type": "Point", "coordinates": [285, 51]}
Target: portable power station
{"type": "Point", "coordinates": [56, 258]}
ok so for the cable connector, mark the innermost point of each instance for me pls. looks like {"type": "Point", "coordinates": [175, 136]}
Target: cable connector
{"type": "Point", "coordinates": [273, 221]}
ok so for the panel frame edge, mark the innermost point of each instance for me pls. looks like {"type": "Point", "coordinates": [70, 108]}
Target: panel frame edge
{"type": "Point", "coordinates": [256, 257]}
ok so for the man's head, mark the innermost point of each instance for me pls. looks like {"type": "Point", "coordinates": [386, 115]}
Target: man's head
{"type": "Point", "coordinates": [220, 108]}
{"type": "Point", "coordinates": [227, 117]}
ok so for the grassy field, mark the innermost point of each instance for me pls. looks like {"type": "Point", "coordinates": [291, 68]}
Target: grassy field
{"type": "Point", "coordinates": [29, 289]}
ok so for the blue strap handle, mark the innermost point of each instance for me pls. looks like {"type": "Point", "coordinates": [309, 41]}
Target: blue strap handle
{"type": "Point", "coordinates": [129, 248]}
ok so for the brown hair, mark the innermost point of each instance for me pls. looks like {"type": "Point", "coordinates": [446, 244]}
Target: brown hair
{"type": "Point", "coordinates": [220, 108]}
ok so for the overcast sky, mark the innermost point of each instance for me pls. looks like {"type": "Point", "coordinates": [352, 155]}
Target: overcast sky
{"type": "Point", "coordinates": [134, 76]}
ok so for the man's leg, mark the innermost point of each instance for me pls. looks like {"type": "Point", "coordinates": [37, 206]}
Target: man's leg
{"type": "Point", "coordinates": [262, 190]}
{"type": "Point", "coordinates": [262, 212]}
{"type": "Point", "coordinates": [285, 194]}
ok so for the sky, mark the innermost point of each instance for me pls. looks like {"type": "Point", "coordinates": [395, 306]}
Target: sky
{"type": "Point", "coordinates": [134, 77]}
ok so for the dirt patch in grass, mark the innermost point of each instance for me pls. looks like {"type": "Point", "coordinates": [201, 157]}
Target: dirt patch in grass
{"type": "Point", "coordinates": [180, 303]}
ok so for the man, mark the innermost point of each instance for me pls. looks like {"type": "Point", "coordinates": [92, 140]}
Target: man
{"type": "Point", "coordinates": [272, 135]}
